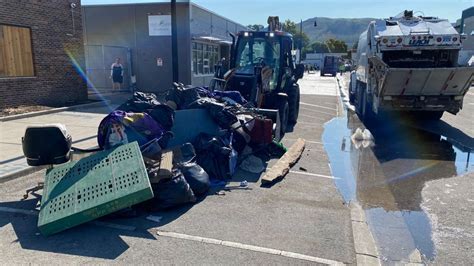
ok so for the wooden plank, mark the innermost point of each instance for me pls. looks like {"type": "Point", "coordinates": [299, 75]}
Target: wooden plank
{"type": "Point", "coordinates": [282, 167]}
{"type": "Point", "coordinates": [20, 46]}
{"type": "Point", "coordinates": [9, 59]}
{"type": "Point", "coordinates": [25, 49]}
{"type": "Point", "coordinates": [166, 166]}
{"type": "Point", "coordinates": [2, 54]}
{"type": "Point", "coordinates": [28, 53]}
{"type": "Point", "coordinates": [17, 51]}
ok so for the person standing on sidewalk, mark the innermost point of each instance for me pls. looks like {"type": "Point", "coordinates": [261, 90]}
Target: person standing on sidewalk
{"type": "Point", "coordinates": [116, 74]}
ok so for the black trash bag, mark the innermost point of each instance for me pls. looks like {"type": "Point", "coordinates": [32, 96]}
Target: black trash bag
{"type": "Point", "coordinates": [213, 155]}
{"type": "Point", "coordinates": [173, 192]}
{"type": "Point", "coordinates": [148, 103]}
{"type": "Point", "coordinates": [219, 112]}
{"type": "Point", "coordinates": [197, 178]}
{"type": "Point", "coordinates": [185, 154]}
{"type": "Point", "coordinates": [151, 149]}
{"type": "Point", "coordinates": [163, 114]}
{"type": "Point", "coordinates": [182, 96]}
{"type": "Point", "coordinates": [139, 102]}
{"type": "Point", "coordinates": [165, 139]}
{"type": "Point", "coordinates": [239, 141]}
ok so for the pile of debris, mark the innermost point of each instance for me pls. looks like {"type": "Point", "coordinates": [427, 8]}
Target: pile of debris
{"type": "Point", "coordinates": [156, 155]}
{"type": "Point", "coordinates": [195, 138]}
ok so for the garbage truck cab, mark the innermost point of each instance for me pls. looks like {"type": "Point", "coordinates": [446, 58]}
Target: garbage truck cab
{"type": "Point", "coordinates": [409, 64]}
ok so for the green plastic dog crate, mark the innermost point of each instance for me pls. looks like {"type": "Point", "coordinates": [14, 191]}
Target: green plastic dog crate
{"type": "Point", "coordinates": [84, 190]}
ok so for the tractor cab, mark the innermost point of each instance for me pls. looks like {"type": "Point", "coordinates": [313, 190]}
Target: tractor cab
{"type": "Point", "coordinates": [261, 58]}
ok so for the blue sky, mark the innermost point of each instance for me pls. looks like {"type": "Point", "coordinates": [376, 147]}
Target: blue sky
{"type": "Point", "coordinates": [256, 11]}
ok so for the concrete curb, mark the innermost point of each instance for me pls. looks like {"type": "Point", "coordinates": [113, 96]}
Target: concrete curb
{"type": "Point", "coordinates": [344, 96]}
{"type": "Point", "coordinates": [364, 243]}
{"type": "Point", "coordinates": [50, 111]}
{"type": "Point", "coordinates": [22, 172]}
{"type": "Point", "coordinates": [31, 169]}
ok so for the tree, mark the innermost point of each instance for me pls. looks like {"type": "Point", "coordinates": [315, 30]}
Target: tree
{"type": "Point", "coordinates": [300, 39]}
{"type": "Point", "coordinates": [290, 26]}
{"type": "Point", "coordinates": [255, 27]}
{"type": "Point", "coordinates": [336, 46]}
{"type": "Point", "coordinates": [319, 47]}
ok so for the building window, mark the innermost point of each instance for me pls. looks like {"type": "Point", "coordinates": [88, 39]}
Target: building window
{"type": "Point", "coordinates": [205, 57]}
{"type": "Point", "coordinates": [16, 57]}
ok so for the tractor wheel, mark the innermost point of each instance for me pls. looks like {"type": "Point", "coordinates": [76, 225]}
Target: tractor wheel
{"type": "Point", "coordinates": [293, 103]}
{"type": "Point", "coordinates": [283, 110]}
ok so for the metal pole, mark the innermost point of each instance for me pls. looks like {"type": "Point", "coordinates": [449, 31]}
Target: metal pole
{"type": "Point", "coordinates": [301, 35]}
{"type": "Point", "coordinates": [467, 162]}
{"type": "Point", "coordinates": [174, 41]}
{"type": "Point", "coordinates": [106, 70]}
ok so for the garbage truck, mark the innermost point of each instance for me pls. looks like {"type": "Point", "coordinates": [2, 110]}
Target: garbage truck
{"type": "Point", "coordinates": [409, 64]}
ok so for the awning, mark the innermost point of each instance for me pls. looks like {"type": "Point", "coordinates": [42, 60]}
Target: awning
{"type": "Point", "coordinates": [207, 38]}
{"type": "Point", "coordinates": [212, 39]}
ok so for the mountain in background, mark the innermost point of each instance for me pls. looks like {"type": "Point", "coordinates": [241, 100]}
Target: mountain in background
{"type": "Point", "coordinates": [345, 29]}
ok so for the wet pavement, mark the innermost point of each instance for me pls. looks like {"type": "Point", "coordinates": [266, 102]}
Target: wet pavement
{"type": "Point", "coordinates": [386, 177]}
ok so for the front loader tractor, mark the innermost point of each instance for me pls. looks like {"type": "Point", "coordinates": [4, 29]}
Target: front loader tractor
{"type": "Point", "coordinates": [264, 71]}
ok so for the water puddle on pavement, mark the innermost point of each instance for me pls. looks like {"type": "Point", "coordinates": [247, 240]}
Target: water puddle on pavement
{"type": "Point", "coordinates": [386, 178]}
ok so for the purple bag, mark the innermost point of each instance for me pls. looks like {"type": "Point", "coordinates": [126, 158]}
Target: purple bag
{"type": "Point", "coordinates": [120, 127]}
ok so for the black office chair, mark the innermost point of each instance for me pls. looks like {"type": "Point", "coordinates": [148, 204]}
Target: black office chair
{"type": "Point", "coordinates": [46, 145]}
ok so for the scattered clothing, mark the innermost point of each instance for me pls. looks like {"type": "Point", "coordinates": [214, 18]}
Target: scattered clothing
{"type": "Point", "coordinates": [252, 164]}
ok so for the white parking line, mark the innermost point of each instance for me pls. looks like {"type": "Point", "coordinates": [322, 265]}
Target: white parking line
{"type": "Point", "coordinates": [311, 174]}
{"type": "Point", "coordinates": [308, 123]}
{"type": "Point", "coordinates": [248, 247]}
{"type": "Point", "coordinates": [316, 111]}
{"type": "Point", "coordinates": [309, 141]}
{"type": "Point", "coordinates": [314, 105]}
{"type": "Point", "coordinates": [312, 117]}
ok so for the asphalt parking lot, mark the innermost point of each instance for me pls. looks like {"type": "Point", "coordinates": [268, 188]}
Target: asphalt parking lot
{"type": "Point", "coordinates": [299, 220]}
{"type": "Point", "coordinates": [410, 189]}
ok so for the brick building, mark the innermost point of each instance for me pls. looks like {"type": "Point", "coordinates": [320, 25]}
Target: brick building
{"type": "Point", "coordinates": [39, 41]}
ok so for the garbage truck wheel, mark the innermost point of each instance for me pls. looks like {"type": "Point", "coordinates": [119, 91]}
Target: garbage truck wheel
{"type": "Point", "coordinates": [283, 110]}
{"type": "Point", "coordinates": [429, 115]}
{"type": "Point", "coordinates": [436, 115]}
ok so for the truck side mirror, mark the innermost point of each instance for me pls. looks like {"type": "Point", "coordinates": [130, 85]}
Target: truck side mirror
{"type": "Point", "coordinates": [299, 71]}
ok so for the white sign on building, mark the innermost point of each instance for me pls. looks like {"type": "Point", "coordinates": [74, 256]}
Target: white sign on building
{"type": "Point", "coordinates": [159, 25]}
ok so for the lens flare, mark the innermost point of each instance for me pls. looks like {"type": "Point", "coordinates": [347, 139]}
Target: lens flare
{"type": "Point", "coordinates": [83, 74]}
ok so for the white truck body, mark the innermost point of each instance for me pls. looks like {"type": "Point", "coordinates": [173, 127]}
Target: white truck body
{"type": "Point", "coordinates": [409, 64]}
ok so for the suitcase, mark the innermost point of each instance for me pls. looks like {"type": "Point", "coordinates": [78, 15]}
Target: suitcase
{"type": "Point", "coordinates": [262, 130]}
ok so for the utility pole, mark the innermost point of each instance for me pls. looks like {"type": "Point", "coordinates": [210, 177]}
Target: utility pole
{"type": "Point", "coordinates": [174, 41]}
{"type": "Point", "coordinates": [301, 35]}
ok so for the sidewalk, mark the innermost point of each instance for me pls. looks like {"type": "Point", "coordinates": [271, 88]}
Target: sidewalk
{"type": "Point", "coordinates": [81, 123]}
